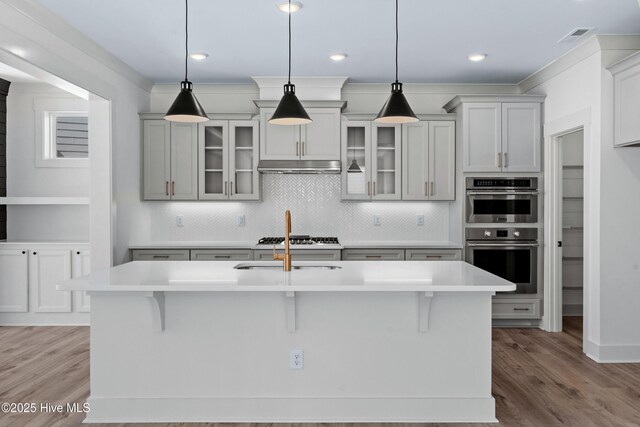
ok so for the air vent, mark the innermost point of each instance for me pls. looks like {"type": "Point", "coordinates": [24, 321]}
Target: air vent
{"type": "Point", "coordinates": [576, 34]}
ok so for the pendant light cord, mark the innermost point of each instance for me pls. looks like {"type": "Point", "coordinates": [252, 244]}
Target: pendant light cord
{"type": "Point", "coordinates": [289, 79]}
{"type": "Point", "coordinates": [396, 41]}
{"type": "Point", "coordinates": [186, 39]}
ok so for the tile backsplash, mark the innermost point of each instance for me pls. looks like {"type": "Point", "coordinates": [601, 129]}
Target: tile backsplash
{"type": "Point", "coordinates": [316, 209]}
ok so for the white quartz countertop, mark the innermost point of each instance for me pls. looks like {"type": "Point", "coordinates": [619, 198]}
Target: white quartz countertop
{"type": "Point", "coordinates": [352, 276]}
{"type": "Point", "coordinates": [402, 244]}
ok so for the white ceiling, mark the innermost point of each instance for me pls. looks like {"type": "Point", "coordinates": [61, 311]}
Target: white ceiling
{"type": "Point", "coordinates": [249, 37]}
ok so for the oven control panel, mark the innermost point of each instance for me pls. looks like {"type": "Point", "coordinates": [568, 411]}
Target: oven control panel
{"type": "Point", "coordinates": [502, 234]}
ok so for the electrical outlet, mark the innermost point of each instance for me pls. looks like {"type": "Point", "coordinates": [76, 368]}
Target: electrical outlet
{"type": "Point", "coordinates": [296, 359]}
{"type": "Point", "coordinates": [240, 220]}
{"type": "Point", "coordinates": [180, 221]}
{"type": "Point", "coordinates": [377, 220]}
{"type": "Point", "coordinates": [419, 219]}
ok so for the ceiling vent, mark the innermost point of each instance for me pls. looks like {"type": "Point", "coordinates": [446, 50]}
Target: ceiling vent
{"type": "Point", "coordinates": [576, 34]}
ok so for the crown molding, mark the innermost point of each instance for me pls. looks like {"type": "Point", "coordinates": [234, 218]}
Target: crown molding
{"type": "Point", "coordinates": [309, 88]}
{"type": "Point", "coordinates": [59, 28]}
{"type": "Point", "coordinates": [452, 105]}
{"type": "Point", "coordinates": [261, 103]}
{"type": "Point", "coordinates": [431, 88]}
{"type": "Point", "coordinates": [207, 88]}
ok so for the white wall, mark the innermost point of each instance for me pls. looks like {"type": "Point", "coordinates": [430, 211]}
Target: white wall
{"type": "Point", "coordinates": [23, 177]}
{"type": "Point", "coordinates": [612, 202]}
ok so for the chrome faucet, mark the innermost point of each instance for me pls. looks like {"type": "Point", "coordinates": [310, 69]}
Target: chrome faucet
{"type": "Point", "coordinates": [286, 256]}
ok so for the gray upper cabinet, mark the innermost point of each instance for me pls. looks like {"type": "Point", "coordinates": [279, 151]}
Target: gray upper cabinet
{"type": "Point", "coordinates": [428, 161]}
{"type": "Point", "coordinates": [500, 134]}
{"type": "Point", "coordinates": [228, 160]}
{"type": "Point", "coordinates": [319, 140]}
{"type": "Point", "coordinates": [626, 98]}
{"type": "Point", "coordinates": [170, 160]}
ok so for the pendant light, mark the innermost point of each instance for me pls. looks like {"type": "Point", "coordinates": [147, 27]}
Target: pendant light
{"type": "Point", "coordinates": [186, 107]}
{"type": "Point", "coordinates": [396, 109]}
{"type": "Point", "coordinates": [354, 167]}
{"type": "Point", "coordinates": [290, 111]}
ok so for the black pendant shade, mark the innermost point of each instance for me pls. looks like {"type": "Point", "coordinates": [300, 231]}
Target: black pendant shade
{"type": "Point", "coordinates": [353, 167]}
{"type": "Point", "coordinates": [290, 111]}
{"type": "Point", "coordinates": [396, 109]}
{"type": "Point", "coordinates": [186, 107]}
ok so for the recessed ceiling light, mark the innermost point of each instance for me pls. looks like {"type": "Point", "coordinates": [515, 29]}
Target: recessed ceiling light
{"type": "Point", "coordinates": [338, 57]}
{"type": "Point", "coordinates": [477, 57]}
{"type": "Point", "coordinates": [199, 56]}
{"type": "Point", "coordinates": [295, 6]}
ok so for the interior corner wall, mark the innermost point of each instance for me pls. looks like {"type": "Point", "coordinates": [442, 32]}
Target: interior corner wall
{"type": "Point", "coordinates": [570, 92]}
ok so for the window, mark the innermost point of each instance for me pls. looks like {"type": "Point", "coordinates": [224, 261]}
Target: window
{"type": "Point", "coordinates": [68, 136]}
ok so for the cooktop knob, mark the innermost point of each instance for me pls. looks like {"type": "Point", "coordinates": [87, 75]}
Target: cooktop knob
{"type": "Point", "coordinates": [516, 234]}
{"type": "Point", "coordinates": [487, 233]}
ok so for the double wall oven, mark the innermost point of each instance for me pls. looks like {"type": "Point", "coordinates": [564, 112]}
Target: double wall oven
{"type": "Point", "coordinates": [501, 232]}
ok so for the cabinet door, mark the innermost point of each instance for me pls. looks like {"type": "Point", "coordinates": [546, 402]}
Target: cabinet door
{"type": "Point", "coordinates": [213, 143]}
{"type": "Point", "coordinates": [481, 137]}
{"type": "Point", "coordinates": [184, 161]}
{"type": "Point", "coordinates": [221, 255]}
{"type": "Point", "coordinates": [356, 145]}
{"type": "Point", "coordinates": [386, 161]}
{"type": "Point", "coordinates": [278, 142]}
{"type": "Point", "coordinates": [156, 149]}
{"type": "Point", "coordinates": [433, 255]}
{"type": "Point", "coordinates": [14, 285]}
{"type": "Point", "coordinates": [47, 269]}
{"type": "Point", "coordinates": [415, 161]}
{"type": "Point", "coordinates": [300, 255]}
{"type": "Point", "coordinates": [521, 137]}
{"type": "Point", "coordinates": [244, 180]}
{"type": "Point", "coordinates": [160, 254]}
{"type": "Point", "coordinates": [373, 254]}
{"type": "Point", "coordinates": [442, 160]}
{"type": "Point", "coordinates": [321, 138]}
{"type": "Point", "coordinates": [80, 266]}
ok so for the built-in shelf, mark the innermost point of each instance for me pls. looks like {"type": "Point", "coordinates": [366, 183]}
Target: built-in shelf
{"type": "Point", "coordinates": [244, 170]}
{"type": "Point", "coordinates": [244, 148]}
{"type": "Point", "coordinates": [387, 170]}
{"type": "Point", "coordinates": [355, 148]}
{"type": "Point", "coordinates": [213, 170]}
{"type": "Point", "coordinates": [44, 201]}
{"type": "Point", "coordinates": [386, 148]}
{"type": "Point", "coordinates": [573, 198]}
{"type": "Point", "coordinates": [213, 148]}
{"type": "Point", "coordinates": [572, 227]}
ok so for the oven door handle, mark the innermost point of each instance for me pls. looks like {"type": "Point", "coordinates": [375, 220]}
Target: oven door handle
{"type": "Point", "coordinates": [503, 193]}
{"type": "Point", "coordinates": [504, 245]}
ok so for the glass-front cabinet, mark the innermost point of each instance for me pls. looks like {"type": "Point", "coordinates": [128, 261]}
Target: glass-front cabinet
{"type": "Point", "coordinates": [371, 160]}
{"type": "Point", "coordinates": [229, 160]}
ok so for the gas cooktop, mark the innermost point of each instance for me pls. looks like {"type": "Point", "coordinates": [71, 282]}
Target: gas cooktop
{"type": "Point", "coordinates": [300, 240]}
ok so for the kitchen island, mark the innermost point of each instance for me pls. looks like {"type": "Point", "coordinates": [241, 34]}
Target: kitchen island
{"type": "Point", "coordinates": [178, 341]}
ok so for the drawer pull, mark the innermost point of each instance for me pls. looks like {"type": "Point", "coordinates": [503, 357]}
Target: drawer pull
{"type": "Point", "coordinates": [434, 256]}
{"type": "Point", "coordinates": [521, 309]}
{"type": "Point", "coordinates": [222, 256]}
{"type": "Point", "coordinates": [373, 256]}
{"type": "Point", "coordinates": [161, 256]}
{"type": "Point", "coordinates": [24, 252]}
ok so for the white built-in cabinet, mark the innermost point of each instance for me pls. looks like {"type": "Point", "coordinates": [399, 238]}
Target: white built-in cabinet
{"type": "Point", "coordinates": [428, 160]}
{"type": "Point", "coordinates": [626, 101]}
{"type": "Point", "coordinates": [29, 276]}
{"type": "Point", "coordinates": [170, 152]}
{"type": "Point", "coordinates": [228, 160]}
{"type": "Point", "coordinates": [14, 281]}
{"type": "Point", "coordinates": [501, 134]}
{"type": "Point", "coordinates": [377, 149]}
{"type": "Point", "coordinates": [318, 140]}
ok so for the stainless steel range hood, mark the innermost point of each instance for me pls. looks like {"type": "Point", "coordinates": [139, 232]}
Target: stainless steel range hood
{"type": "Point", "coordinates": [299, 166]}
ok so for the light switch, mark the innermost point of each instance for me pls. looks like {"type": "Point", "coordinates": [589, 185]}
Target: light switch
{"type": "Point", "coordinates": [240, 220]}
{"type": "Point", "coordinates": [419, 219]}
{"type": "Point", "coordinates": [180, 221]}
{"type": "Point", "coordinates": [377, 220]}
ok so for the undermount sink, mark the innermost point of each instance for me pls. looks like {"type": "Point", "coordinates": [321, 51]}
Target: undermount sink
{"type": "Point", "coordinates": [279, 267]}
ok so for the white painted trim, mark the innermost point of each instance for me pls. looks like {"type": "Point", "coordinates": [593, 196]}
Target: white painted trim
{"type": "Point", "coordinates": [54, 24]}
{"type": "Point", "coordinates": [552, 318]}
{"type": "Point", "coordinates": [290, 409]}
{"type": "Point", "coordinates": [44, 200]}
{"type": "Point", "coordinates": [458, 100]}
{"type": "Point", "coordinates": [316, 88]}
{"type": "Point", "coordinates": [432, 88]}
{"type": "Point", "coordinates": [613, 353]}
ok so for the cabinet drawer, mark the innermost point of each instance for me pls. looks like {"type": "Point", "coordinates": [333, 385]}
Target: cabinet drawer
{"type": "Point", "coordinates": [433, 255]}
{"type": "Point", "coordinates": [516, 309]}
{"type": "Point", "coordinates": [221, 255]}
{"type": "Point", "coordinates": [373, 255]}
{"type": "Point", "coordinates": [160, 254]}
{"type": "Point", "coordinates": [301, 255]}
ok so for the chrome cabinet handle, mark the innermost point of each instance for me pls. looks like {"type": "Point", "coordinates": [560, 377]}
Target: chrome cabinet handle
{"type": "Point", "coordinates": [303, 148]}
{"type": "Point", "coordinates": [161, 256]}
{"type": "Point", "coordinates": [373, 256]}
{"type": "Point", "coordinates": [297, 148]}
{"type": "Point", "coordinates": [433, 191]}
{"type": "Point", "coordinates": [374, 188]}
{"type": "Point", "coordinates": [503, 245]}
{"type": "Point", "coordinates": [166, 188]}
{"type": "Point", "coordinates": [503, 193]}
{"type": "Point", "coordinates": [499, 160]}
{"type": "Point", "coordinates": [225, 187]}
{"type": "Point", "coordinates": [231, 188]}
{"type": "Point", "coordinates": [505, 160]}
{"type": "Point", "coordinates": [426, 188]}
{"type": "Point", "coordinates": [368, 188]}
{"type": "Point", "coordinates": [520, 309]}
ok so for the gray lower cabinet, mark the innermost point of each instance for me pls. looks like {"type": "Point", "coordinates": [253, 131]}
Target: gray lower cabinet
{"type": "Point", "coordinates": [373, 255]}
{"type": "Point", "coordinates": [300, 255]}
{"type": "Point", "coordinates": [160, 254]}
{"type": "Point", "coordinates": [433, 255]}
{"type": "Point", "coordinates": [221, 255]}
{"type": "Point", "coordinates": [516, 308]}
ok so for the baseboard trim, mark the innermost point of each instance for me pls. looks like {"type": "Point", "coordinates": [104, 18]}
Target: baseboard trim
{"type": "Point", "coordinates": [613, 353]}
{"type": "Point", "coordinates": [290, 410]}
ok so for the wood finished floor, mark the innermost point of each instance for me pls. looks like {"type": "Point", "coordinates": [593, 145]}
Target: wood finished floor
{"type": "Point", "coordinates": [539, 379]}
